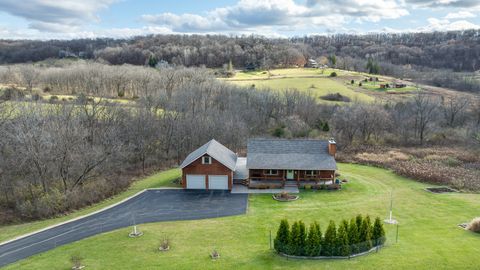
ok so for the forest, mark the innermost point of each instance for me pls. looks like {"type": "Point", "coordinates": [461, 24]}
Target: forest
{"type": "Point", "coordinates": [104, 124]}
{"type": "Point", "coordinates": [446, 59]}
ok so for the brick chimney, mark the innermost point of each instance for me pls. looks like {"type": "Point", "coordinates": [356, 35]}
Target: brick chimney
{"type": "Point", "coordinates": [332, 147]}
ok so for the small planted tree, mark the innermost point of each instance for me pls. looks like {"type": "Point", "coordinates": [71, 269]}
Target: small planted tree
{"type": "Point", "coordinates": [378, 232]}
{"type": "Point", "coordinates": [301, 240]}
{"type": "Point", "coordinates": [366, 234]}
{"type": "Point", "coordinates": [343, 248]}
{"type": "Point", "coordinates": [292, 241]}
{"type": "Point", "coordinates": [329, 241]}
{"type": "Point", "coordinates": [76, 261]}
{"type": "Point", "coordinates": [313, 244]}
{"type": "Point", "coordinates": [353, 236]}
{"type": "Point", "coordinates": [283, 235]}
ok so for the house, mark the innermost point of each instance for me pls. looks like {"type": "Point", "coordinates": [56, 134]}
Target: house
{"type": "Point", "coordinates": [311, 63]}
{"type": "Point", "coordinates": [269, 162]}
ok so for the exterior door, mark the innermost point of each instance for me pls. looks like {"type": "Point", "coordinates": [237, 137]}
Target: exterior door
{"type": "Point", "coordinates": [290, 175]}
{"type": "Point", "coordinates": [196, 181]}
{"type": "Point", "coordinates": [218, 182]}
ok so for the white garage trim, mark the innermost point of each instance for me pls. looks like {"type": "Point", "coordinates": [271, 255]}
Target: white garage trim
{"type": "Point", "coordinates": [195, 181]}
{"type": "Point", "coordinates": [218, 182]}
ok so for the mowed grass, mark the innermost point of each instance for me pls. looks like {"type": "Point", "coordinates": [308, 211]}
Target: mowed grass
{"type": "Point", "coordinates": [162, 179]}
{"type": "Point", "coordinates": [312, 81]}
{"type": "Point", "coordinates": [428, 234]}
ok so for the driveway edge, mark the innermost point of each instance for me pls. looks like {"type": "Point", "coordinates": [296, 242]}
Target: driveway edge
{"type": "Point", "coordinates": [84, 216]}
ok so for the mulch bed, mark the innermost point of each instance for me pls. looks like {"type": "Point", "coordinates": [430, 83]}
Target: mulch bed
{"type": "Point", "coordinates": [285, 197]}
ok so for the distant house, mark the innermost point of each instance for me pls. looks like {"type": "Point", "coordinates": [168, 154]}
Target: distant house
{"type": "Point", "coordinates": [311, 63]}
{"type": "Point", "coordinates": [399, 85]}
{"type": "Point", "coordinates": [272, 162]}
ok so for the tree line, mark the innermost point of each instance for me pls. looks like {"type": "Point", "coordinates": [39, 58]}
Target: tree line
{"type": "Point", "coordinates": [417, 56]}
{"type": "Point", "coordinates": [56, 156]}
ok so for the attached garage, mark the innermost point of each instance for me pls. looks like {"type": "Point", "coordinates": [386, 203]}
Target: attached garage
{"type": "Point", "coordinates": [209, 167]}
{"type": "Point", "coordinates": [218, 182]}
{"type": "Point", "coordinates": [196, 181]}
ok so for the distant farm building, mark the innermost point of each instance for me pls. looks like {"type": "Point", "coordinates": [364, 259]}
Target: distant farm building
{"type": "Point", "coordinates": [311, 63]}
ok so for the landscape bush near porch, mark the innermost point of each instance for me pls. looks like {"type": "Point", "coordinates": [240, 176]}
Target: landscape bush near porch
{"type": "Point", "coordinates": [350, 238]}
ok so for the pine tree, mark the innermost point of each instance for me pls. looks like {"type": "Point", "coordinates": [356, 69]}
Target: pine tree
{"type": "Point", "coordinates": [294, 236]}
{"type": "Point", "coordinates": [378, 232]}
{"type": "Point", "coordinates": [326, 127]}
{"type": "Point", "coordinates": [359, 221]}
{"type": "Point", "coordinates": [366, 234]}
{"type": "Point", "coordinates": [329, 240]}
{"type": "Point", "coordinates": [152, 61]}
{"type": "Point", "coordinates": [283, 235]}
{"type": "Point", "coordinates": [343, 248]}
{"type": "Point", "coordinates": [353, 237]}
{"type": "Point", "coordinates": [300, 242]}
{"type": "Point", "coordinates": [313, 242]}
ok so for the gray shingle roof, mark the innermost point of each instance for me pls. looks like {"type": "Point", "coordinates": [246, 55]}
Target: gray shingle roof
{"type": "Point", "coordinates": [241, 171]}
{"type": "Point", "coordinates": [217, 151]}
{"type": "Point", "coordinates": [289, 154]}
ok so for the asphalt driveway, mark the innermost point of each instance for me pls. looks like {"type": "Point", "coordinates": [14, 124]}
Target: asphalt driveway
{"type": "Point", "coordinates": [149, 206]}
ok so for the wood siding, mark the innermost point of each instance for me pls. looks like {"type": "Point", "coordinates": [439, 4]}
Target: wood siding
{"type": "Point", "coordinates": [216, 168]}
{"type": "Point", "coordinates": [299, 175]}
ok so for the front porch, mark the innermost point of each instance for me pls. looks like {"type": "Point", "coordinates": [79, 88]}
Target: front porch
{"type": "Point", "coordinates": [271, 178]}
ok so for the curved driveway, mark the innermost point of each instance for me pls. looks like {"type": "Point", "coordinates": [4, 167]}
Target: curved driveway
{"type": "Point", "coordinates": [149, 206]}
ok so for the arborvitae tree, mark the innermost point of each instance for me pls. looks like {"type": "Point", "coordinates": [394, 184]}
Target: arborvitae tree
{"type": "Point", "coordinates": [294, 236]}
{"type": "Point", "coordinates": [342, 246]}
{"type": "Point", "coordinates": [329, 240]}
{"type": "Point", "coordinates": [326, 127]}
{"type": "Point", "coordinates": [283, 235]}
{"type": "Point", "coordinates": [378, 232]}
{"type": "Point", "coordinates": [314, 239]}
{"type": "Point", "coordinates": [359, 221]}
{"type": "Point", "coordinates": [300, 242]}
{"type": "Point", "coordinates": [366, 234]}
{"type": "Point", "coordinates": [353, 237]}
{"type": "Point", "coordinates": [333, 60]}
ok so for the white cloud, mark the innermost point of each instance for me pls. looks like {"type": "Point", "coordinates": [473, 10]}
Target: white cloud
{"type": "Point", "coordinates": [249, 14]}
{"type": "Point", "coordinates": [55, 15]}
{"type": "Point", "coordinates": [7, 33]}
{"type": "Point", "coordinates": [460, 15]}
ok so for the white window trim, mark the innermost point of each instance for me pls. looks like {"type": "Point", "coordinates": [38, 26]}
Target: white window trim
{"type": "Point", "coordinates": [270, 172]}
{"type": "Point", "coordinates": [204, 158]}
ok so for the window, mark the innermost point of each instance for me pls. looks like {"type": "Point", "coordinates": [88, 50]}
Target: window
{"type": "Point", "coordinates": [310, 173]}
{"type": "Point", "coordinates": [206, 160]}
{"type": "Point", "coordinates": [271, 172]}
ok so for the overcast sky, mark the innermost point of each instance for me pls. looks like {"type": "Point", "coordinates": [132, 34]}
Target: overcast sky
{"type": "Point", "coordinates": [66, 19]}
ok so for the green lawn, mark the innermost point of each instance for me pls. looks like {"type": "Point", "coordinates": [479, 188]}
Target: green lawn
{"type": "Point", "coordinates": [308, 80]}
{"type": "Point", "coordinates": [428, 237]}
{"type": "Point", "coordinates": [157, 180]}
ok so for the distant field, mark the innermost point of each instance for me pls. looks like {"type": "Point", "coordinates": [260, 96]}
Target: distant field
{"type": "Point", "coordinates": [314, 81]}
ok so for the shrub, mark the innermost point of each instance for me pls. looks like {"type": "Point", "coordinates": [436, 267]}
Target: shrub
{"type": "Point", "coordinates": [335, 97]}
{"type": "Point", "coordinates": [279, 132]}
{"type": "Point", "coordinates": [353, 236]}
{"type": "Point", "coordinates": [53, 98]}
{"type": "Point", "coordinates": [474, 226]}
{"type": "Point", "coordinates": [283, 235]}
{"type": "Point", "coordinates": [313, 244]}
{"type": "Point", "coordinates": [378, 232]}
{"type": "Point", "coordinates": [342, 245]}
{"type": "Point", "coordinates": [333, 74]}
{"type": "Point", "coordinates": [326, 127]}
{"type": "Point", "coordinates": [329, 241]}
{"type": "Point", "coordinates": [76, 260]}
{"type": "Point", "coordinates": [366, 234]}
